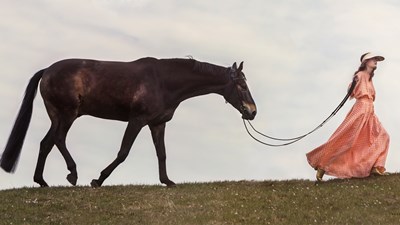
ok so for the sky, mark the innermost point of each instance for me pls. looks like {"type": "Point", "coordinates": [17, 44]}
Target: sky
{"type": "Point", "coordinates": [299, 57]}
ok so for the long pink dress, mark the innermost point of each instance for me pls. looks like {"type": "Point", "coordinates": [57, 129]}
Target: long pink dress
{"type": "Point", "coordinates": [359, 143]}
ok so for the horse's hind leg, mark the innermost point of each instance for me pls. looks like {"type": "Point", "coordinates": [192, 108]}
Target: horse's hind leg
{"type": "Point", "coordinates": [56, 136]}
{"type": "Point", "coordinates": [60, 138]}
{"type": "Point", "coordinates": [45, 147]}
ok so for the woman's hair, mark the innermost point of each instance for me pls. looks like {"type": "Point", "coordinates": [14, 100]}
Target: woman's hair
{"type": "Point", "coordinates": [363, 67]}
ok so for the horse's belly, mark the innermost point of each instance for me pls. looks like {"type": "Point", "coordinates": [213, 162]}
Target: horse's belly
{"type": "Point", "coordinates": [106, 112]}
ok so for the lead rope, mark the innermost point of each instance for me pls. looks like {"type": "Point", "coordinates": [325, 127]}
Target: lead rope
{"type": "Point", "coordinates": [296, 139]}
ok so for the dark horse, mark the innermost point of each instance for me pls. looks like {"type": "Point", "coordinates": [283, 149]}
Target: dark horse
{"type": "Point", "coordinates": [143, 92]}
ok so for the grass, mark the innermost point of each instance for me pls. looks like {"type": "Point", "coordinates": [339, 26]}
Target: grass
{"type": "Point", "coordinates": [373, 200]}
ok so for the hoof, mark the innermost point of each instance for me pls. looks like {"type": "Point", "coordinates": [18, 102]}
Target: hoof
{"type": "Point", "coordinates": [170, 184]}
{"type": "Point", "coordinates": [95, 183]}
{"type": "Point", "coordinates": [72, 178]}
{"type": "Point", "coordinates": [41, 182]}
{"type": "Point", "coordinates": [45, 185]}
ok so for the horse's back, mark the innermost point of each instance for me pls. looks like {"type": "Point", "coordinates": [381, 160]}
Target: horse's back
{"type": "Point", "coordinates": [75, 74]}
{"type": "Point", "coordinates": [99, 88]}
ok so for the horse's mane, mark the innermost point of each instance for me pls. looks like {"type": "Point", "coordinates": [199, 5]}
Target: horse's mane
{"type": "Point", "coordinates": [208, 68]}
{"type": "Point", "coordinates": [197, 66]}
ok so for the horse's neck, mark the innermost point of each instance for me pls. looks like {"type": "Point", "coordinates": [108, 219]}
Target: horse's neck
{"type": "Point", "coordinates": [194, 81]}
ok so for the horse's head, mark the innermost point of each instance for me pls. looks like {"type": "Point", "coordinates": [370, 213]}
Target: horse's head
{"type": "Point", "coordinates": [238, 94]}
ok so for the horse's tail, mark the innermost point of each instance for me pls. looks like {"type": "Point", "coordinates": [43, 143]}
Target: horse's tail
{"type": "Point", "coordinates": [13, 148]}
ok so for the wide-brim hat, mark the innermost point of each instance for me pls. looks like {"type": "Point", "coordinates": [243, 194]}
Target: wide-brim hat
{"type": "Point", "coordinates": [371, 55]}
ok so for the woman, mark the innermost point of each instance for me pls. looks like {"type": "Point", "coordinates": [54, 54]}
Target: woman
{"type": "Point", "coordinates": [359, 146]}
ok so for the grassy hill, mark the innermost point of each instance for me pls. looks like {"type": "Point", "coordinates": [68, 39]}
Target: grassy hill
{"type": "Point", "coordinates": [374, 200]}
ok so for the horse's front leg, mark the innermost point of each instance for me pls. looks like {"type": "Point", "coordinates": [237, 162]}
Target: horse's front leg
{"type": "Point", "coordinates": [131, 132]}
{"type": "Point", "coordinates": [158, 134]}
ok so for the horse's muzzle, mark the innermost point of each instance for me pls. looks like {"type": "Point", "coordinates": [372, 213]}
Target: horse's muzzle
{"type": "Point", "coordinates": [249, 111]}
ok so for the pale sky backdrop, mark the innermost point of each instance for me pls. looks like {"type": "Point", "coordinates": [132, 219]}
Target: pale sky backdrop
{"type": "Point", "coordinates": [299, 57]}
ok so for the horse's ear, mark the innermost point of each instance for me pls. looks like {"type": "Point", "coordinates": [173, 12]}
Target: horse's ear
{"type": "Point", "coordinates": [240, 66]}
{"type": "Point", "coordinates": [234, 66]}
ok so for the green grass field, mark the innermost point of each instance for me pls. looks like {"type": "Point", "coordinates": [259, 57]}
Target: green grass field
{"type": "Point", "coordinates": [374, 200]}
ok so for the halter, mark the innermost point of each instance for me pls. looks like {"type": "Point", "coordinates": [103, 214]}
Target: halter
{"type": "Point", "coordinates": [234, 77]}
